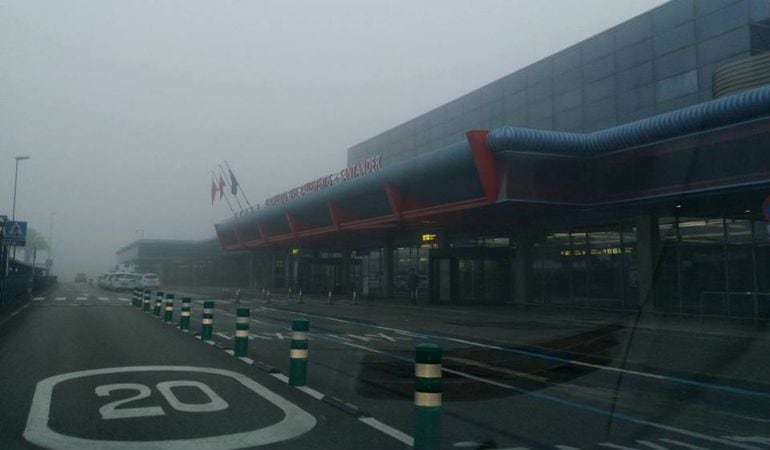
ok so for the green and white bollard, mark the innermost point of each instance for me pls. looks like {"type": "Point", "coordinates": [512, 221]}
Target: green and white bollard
{"type": "Point", "coordinates": [168, 312]}
{"type": "Point", "coordinates": [298, 352]}
{"type": "Point", "coordinates": [184, 315]}
{"type": "Point", "coordinates": [158, 303]}
{"type": "Point", "coordinates": [241, 346]}
{"type": "Point", "coordinates": [146, 301]}
{"type": "Point", "coordinates": [133, 297]}
{"type": "Point", "coordinates": [207, 322]}
{"type": "Point", "coordinates": [427, 397]}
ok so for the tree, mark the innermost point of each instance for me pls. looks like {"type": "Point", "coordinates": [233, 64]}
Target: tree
{"type": "Point", "coordinates": [35, 240]}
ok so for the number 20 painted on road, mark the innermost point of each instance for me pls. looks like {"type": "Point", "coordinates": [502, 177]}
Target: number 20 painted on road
{"type": "Point", "coordinates": [111, 411]}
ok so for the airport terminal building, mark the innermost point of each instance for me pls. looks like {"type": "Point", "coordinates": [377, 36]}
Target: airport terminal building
{"type": "Point", "coordinates": [630, 169]}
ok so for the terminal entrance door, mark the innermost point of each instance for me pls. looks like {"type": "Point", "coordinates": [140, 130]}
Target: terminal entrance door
{"type": "Point", "coordinates": [470, 275]}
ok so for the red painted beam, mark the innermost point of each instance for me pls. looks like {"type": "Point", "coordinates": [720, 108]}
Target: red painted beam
{"type": "Point", "coordinates": [486, 164]}
{"type": "Point", "coordinates": [395, 199]}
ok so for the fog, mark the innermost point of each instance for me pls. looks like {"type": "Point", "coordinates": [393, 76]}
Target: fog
{"type": "Point", "coordinates": [125, 106]}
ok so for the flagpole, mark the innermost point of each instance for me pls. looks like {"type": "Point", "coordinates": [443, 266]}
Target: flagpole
{"type": "Point", "coordinates": [236, 197]}
{"type": "Point", "coordinates": [243, 193]}
{"type": "Point", "coordinates": [232, 210]}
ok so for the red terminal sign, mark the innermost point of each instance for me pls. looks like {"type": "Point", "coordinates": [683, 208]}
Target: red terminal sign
{"type": "Point", "coordinates": [766, 208]}
{"type": "Point", "coordinates": [359, 169]}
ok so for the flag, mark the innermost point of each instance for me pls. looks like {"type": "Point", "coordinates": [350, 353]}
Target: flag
{"type": "Point", "coordinates": [233, 182]}
{"type": "Point", "coordinates": [221, 187]}
{"type": "Point", "coordinates": [214, 189]}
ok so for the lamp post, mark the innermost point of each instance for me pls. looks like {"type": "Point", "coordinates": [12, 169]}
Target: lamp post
{"type": "Point", "coordinates": [15, 180]}
{"type": "Point", "coordinates": [13, 211]}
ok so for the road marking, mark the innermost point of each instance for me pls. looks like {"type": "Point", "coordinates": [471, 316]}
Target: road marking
{"type": "Point", "coordinates": [387, 429]}
{"type": "Point", "coordinates": [257, 336]}
{"type": "Point", "coordinates": [651, 445]}
{"type": "Point", "coordinates": [611, 445]}
{"type": "Point", "coordinates": [60, 299]}
{"type": "Point", "coordinates": [682, 444]}
{"type": "Point", "coordinates": [281, 377]}
{"type": "Point", "coordinates": [122, 299]}
{"type": "Point", "coordinates": [38, 299]}
{"type": "Point", "coordinates": [750, 439]}
{"type": "Point", "coordinates": [223, 335]}
{"type": "Point", "coordinates": [295, 422]}
{"type": "Point", "coordinates": [311, 392]}
{"type": "Point", "coordinates": [570, 403]}
{"type": "Point", "coordinates": [668, 378]}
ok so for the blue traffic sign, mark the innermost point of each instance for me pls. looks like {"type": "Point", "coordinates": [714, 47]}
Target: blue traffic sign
{"type": "Point", "coordinates": [15, 233]}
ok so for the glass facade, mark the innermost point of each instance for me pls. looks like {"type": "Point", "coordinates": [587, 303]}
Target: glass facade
{"type": "Point", "coordinates": [594, 267]}
{"type": "Point", "coordinates": [714, 266]}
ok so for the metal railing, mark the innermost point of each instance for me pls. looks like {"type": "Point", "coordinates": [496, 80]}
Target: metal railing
{"type": "Point", "coordinates": [726, 305]}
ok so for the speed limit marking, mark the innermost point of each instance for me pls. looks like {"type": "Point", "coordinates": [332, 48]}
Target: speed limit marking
{"type": "Point", "coordinates": [295, 422]}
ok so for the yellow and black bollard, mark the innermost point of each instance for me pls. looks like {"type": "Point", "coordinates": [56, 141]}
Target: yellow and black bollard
{"type": "Point", "coordinates": [241, 346]}
{"type": "Point", "coordinates": [184, 314]}
{"type": "Point", "coordinates": [168, 311]}
{"type": "Point", "coordinates": [427, 397]}
{"type": "Point", "coordinates": [207, 322]}
{"type": "Point", "coordinates": [299, 352]}
{"type": "Point", "coordinates": [146, 300]}
{"type": "Point", "coordinates": [158, 303]}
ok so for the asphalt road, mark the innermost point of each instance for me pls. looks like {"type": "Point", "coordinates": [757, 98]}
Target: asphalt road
{"type": "Point", "coordinates": [578, 390]}
{"type": "Point", "coordinates": [81, 369]}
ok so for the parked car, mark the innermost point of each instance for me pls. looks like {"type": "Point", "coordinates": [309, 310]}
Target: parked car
{"type": "Point", "coordinates": [149, 280]}
{"type": "Point", "coordinates": [122, 281]}
{"type": "Point", "coordinates": [104, 280]}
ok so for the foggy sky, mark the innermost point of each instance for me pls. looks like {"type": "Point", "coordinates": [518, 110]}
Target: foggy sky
{"type": "Point", "coordinates": [125, 106]}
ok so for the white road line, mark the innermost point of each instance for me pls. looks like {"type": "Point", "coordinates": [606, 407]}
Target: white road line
{"type": "Point", "coordinates": [38, 299]}
{"type": "Point", "coordinates": [60, 299]}
{"type": "Point", "coordinates": [256, 336]}
{"type": "Point", "coordinates": [751, 439]}
{"type": "Point", "coordinates": [652, 445]}
{"type": "Point", "coordinates": [311, 392]}
{"type": "Point", "coordinates": [246, 359]}
{"type": "Point", "coordinates": [222, 335]}
{"type": "Point", "coordinates": [682, 444]}
{"type": "Point", "coordinates": [281, 377]}
{"type": "Point", "coordinates": [387, 429]}
{"type": "Point", "coordinates": [81, 298]}
{"type": "Point", "coordinates": [611, 445]}
{"type": "Point", "coordinates": [493, 347]}
{"type": "Point", "coordinates": [123, 299]}
{"type": "Point", "coordinates": [693, 434]}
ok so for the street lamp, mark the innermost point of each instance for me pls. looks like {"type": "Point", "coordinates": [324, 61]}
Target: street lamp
{"type": "Point", "coordinates": [15, 179]}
